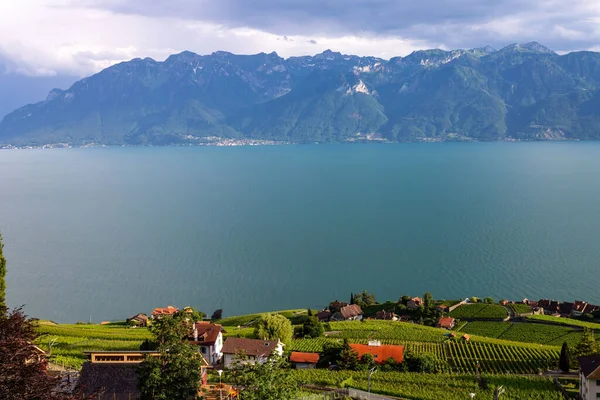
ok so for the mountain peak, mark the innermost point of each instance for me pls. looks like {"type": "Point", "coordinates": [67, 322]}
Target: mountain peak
{"type": "Point", "coordinates": [537, 47]}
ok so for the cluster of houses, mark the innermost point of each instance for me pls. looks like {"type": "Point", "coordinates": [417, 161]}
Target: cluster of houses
{"type": "Point", "coordinates": [566, 309]}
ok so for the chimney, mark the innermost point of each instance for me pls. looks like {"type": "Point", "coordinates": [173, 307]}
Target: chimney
{"type": "Point", "coordinates": [195, 334]}
{"type": "Point", "coordinates": [375, 343]}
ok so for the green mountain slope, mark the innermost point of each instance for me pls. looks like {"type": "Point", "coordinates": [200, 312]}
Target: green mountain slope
{"type": "Point", "coordinates": [518, 92]}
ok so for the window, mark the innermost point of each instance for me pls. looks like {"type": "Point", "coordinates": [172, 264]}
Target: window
{"type": "Point", "coordinates": [203, 350]}
{"type": "Point", "coordinates": [598, 383]}
{"type": "Point", "coordinates": [598, 395]}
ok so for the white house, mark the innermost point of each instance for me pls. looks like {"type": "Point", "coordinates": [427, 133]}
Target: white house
{"type": "Point", "coordinates": [255, 350]}
{"type": "Point", "coordinates": [589, 377]}
{"type": "Point", "coordinates": [210, 339]}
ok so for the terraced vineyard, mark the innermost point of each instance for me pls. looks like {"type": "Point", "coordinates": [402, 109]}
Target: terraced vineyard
{"type": "Point", "coordinates": [464, 358]}
{"type": "Point", "coordinates": [433, 386]}
{"type": "Point", "coordinates": [388, 330]}
{"type": "Point", "coordinates": [564, 321]}
{"type": "Point", "coordinates": [553, 335]}
{"type": "Point", "coordinates": [480, 311]}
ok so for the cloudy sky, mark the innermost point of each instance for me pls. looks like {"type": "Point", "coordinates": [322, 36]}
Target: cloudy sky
{"type": "Point", "coordinates": [79, 37]}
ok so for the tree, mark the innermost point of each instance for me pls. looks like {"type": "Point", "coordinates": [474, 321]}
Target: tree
{"type": "Point", "coordinates": [22, 367]}
{"type": "Point", "coordinates": [367, 361]}
{"type": "Point", "coordinates": [363, 299]}
{"type": "Point", "coordinates": [565, 360]}
{"type": "Point", "coordinates": [176, 372]}
{"type": "Point", "coordinates": [404, 299]}
{"type": "Point", "coordinates": [427, 300]}
{"type": "Point", "coordinates": [274, 327]}
{"type": "Point", "coordinates": [218, 314]}
{"type": "Point", "coordinates": [587, 344]}
{"type": "Point", "coordinates": [309, 312]}
{"type": "Point", "coordinates": [424, 362]}
{"type": "Point", "coordinates": [267, 381]}
{"type": "Point", "coordinates": [330, 355]}
{"type": "Point", "coordinates": [2, 276]}
{"type": "Point", "coordinates": [311, 327]}
{"type": "Point", "coordinates": [348, 357]}
{"type": "Point", "coordinates": [489, 300]}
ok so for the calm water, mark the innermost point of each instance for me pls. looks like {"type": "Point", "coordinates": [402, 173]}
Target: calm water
{"type": "Point", "coordinates": [110, 232]}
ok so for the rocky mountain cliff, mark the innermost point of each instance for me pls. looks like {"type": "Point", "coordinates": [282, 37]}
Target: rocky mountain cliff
{"type": "Point", "coordinates": [523, 91]}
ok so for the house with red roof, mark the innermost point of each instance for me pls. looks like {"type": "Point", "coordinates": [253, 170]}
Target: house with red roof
{"type": "Point", "coordinates": [210, 339]}
{"type": "Point", "coordinates": [446, 323]}
{"type": "Point", "coordinates": [379, 352]}
{"type": "Point", "coordinates": [589, 377]}
{"type": "Point", "coordinates": [304, 360]}
{"type": "Point", "coordinates": [164, 311]}
{"type": "Point", "coordinates": [350, 312]}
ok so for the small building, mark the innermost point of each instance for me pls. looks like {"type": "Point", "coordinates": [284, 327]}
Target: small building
{"type": "Point", "coordinates": [304, 360]}
{"type": "Point", "coordinates": [379, 352]}
{"type": "Point", "coordinates": [589, 377]}
{"type": "Point", "coordinates": [579, 308]}
{"type": "Point", "coordinates": [255, 350]}
{"type": "Point", "coordinates": [139, 320]}
{"type": "Point", "coordinates": [442, 308]}
{"type": "Point", "coordinates": [446, 323]}
{"type": "Point", "coordinates": [414, 303]}
{"type": "Point", "coordinates": [386, 315]}
{"type": "Point", "coordinates": [350, 312]}
{"type": "Point", "coordinates": [525, 301]}
{"type": "Point", "coordinates": [336, 306]}
{"type": "Point", "coordinates": [210, 339]}
{"type": "Point", "coordinates": [503, 302]}
{"type": "Point", "coordinates": [567, 309]}
{"type": "Point", "coordinates": [112, 375]}
{"type": "Point", "coordinates": [404, 318]}
{"type": "Point", "coordinates": [324, 315]}
{"type": "Point", "coordinates": [164, 311]}
{"type": "Point", "coordinates": [466, 338]}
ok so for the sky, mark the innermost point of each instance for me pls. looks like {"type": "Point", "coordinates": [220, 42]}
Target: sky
{"type": "Point", "coordinates": [80, 37]}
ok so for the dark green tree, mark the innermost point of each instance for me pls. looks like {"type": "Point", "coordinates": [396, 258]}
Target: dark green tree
{"type": "Point", "coordinates": [427, 301]}
{"type": "Point", "coordinates": [309, 312]}
{"type": "Point", "coordinates": [367, 361]}
{"type": "Point", "coordinates": [311, 327]}
{"type": "Point", "coordinates": [176, 372]}
{"type": "Point", "coordinates": [330, 355]}
{"type": "Point", "coordinates": [587, 344]}
{"type": "Point", "coordinates": [2, 276]}
{"type": "Point", "coordinates": [266, 381]}
{"type": "Point", "coordinates": [489, 300]}
{"type": "Point", "coordinates": [564, 362]}
{"type": "Point", "coordinates": [348, 357]}
{"type": "Point", "coordinates": [351, 298]}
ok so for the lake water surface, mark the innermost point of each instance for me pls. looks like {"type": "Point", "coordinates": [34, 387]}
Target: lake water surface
{"type": "Point", "coordinates": [105, 233]}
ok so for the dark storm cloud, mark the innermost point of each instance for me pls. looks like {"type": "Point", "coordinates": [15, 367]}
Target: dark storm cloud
{"type": "Point", "coordinates": [563, 25]}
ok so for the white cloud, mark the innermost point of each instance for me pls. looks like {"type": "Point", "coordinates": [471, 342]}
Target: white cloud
{"type": "Point", "coordinates": [45, 37]}
{"type": "Point", "coordinates": [42, 38]}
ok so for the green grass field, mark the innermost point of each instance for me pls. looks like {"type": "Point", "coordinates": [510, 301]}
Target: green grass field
{"type": "Point", "coordinates": [565, 321]}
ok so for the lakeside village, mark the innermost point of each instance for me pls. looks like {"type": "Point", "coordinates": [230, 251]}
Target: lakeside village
{"type": "Point", "coordinates": [416, 337]}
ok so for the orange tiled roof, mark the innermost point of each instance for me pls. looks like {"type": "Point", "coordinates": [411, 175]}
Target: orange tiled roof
{"type": "Point", "coordinates": [380, 353]}
{"type": "Point", "coordinates": [298, 357]}
{"type": "Point", "coordinates": [169, 310]}
{"type": "Point", "coordinates": [446, 322]}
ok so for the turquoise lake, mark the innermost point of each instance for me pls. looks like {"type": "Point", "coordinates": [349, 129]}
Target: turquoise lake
{"type": "Point", "coordinates": [109, 232]}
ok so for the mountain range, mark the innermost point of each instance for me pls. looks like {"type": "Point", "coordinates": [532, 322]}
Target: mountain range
{"type": "Point", "coordinates": [520, 92]}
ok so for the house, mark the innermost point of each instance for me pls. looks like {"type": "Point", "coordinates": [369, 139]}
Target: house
{"type": "Point", "coordinates": [304, 360]}
{"type": "Point", "coordinates": [165, 311]}
{"type": "Point", "coordinates": [404, 318]}
{"type": "Point", "coordinates": [589, 377]}
{"type": "Point", "coordinates": [566, 309]}
{"type": "Point", "coordinates": [533, 304]}
{"type": "Point", "coordinates": [324, 315]}
{"type": "Point", "coordinates": [579, 308]}
{"type": "Point", "coordinates": [414, 303]}
{"type": "Point", "coordinates": [350, 312]}
{"type": "Point", "coordinates": [386, 315]}
{"type": "Point", "coordinates": [503, 302]}
{"type": "Point", "coordinates": [112, 375]}
{"type": "Point", "coordinates": [138, 319]}
{"type": "Point", "coordinates": [549, 306]}
{"type": "Point", "coordinates": [442, 309]}
{"type": "Point", "coordinates": [466, 338]}
{"type": "Point", "coordinates": [256, 351]}
{"type": "Point", "coordinates": [525, 301]}
{"type": "Point", "coordinates": [210, 339]}
{"type": "Point", "coordinates": [336, 306]}
{"type": "Point", "coordinates": [379, 352]}
{"type": "Point", "coordinates": [446, 323]}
